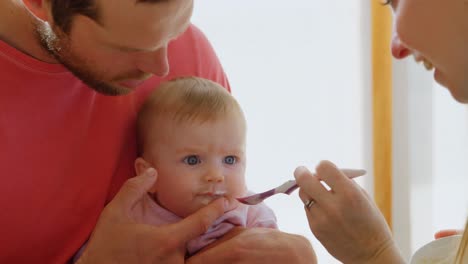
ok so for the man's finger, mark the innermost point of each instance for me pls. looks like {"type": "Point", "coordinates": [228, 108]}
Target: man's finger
{"type": "Point", "coordinates": [199, 222]}
{"type": "Point", "coordinates": [134, 189]}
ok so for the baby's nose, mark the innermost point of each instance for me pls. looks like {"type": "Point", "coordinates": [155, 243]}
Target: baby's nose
{"type": "Point", "coordinates": [214, 175]}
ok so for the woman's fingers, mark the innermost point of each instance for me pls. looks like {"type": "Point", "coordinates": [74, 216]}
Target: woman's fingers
{"type": "Point", "coordinates": [337, 179]}
{"type": "Point", "coordinates": [311, 187]}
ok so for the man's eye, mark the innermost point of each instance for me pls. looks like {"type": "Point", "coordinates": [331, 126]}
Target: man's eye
{"type": "Point", "coordinates": [230, 160]}
{"type": "Point", "coordinates": [192, 160]}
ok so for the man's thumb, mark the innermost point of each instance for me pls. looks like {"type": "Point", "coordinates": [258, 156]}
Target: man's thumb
{"type": "Point", "coordinates": [134, 189]}
{"type": "Point", "coordinates": [199, 222]}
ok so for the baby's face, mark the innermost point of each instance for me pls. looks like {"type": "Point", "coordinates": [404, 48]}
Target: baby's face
{"type": "Point", "coordinates": [197, 163]}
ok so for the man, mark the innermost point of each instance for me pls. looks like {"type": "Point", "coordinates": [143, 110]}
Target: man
{"type": "Point", "coordinates": [67, 146]}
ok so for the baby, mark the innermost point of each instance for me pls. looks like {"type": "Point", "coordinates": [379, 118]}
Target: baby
{"type": "Point", "coordinates": [193, 132]}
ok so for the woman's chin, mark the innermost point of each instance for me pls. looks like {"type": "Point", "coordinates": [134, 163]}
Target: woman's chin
{"type": "Point", "coordinates": [458, 92]}
{"type": "Point", "coordinates": [439, 78]}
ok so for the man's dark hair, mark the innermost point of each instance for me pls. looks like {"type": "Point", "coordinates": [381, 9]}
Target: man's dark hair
{"type": "Point", "coordinates": [63, 11]}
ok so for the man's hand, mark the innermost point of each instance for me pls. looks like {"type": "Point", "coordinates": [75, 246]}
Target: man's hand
{"type": "Point", "coordinates": [121, 237]}
{"type": "Point", "coordinates": [257, 245]}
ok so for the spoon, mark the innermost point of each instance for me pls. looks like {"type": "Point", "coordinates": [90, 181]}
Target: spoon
{"type": "Point", "coordinates": [288, 187]}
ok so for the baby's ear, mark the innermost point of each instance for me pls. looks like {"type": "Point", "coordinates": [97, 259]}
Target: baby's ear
{"type": "Point", "coordinates": [141, 166]}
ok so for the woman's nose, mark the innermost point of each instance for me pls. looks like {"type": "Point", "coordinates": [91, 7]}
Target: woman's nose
{"type": "Point", "coordinates": [155, 62]}
{"type": "Point", "coordinates": [399, 50]}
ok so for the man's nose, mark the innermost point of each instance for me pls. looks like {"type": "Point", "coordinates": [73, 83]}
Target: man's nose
{"type": "Point", "coordinates": [155, 62]}
{"type": "Point", "coordinates": [399, 50]}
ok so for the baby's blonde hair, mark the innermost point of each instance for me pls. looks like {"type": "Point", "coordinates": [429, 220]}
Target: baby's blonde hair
{"type": "Point", "coordinates": [186, 99]}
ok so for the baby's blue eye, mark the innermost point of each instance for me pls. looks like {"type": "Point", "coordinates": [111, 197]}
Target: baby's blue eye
{"type": "Point", "coordinates": [192, 160]}
{"type": "Point", "coordinates": [230, 160]}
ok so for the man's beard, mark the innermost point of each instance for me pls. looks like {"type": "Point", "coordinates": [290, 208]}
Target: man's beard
{"type": "Point", "coordinates": [58, 45]}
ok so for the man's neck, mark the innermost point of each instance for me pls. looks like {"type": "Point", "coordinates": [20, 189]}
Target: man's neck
{"type": "Point", "coordinates": [17, 28]}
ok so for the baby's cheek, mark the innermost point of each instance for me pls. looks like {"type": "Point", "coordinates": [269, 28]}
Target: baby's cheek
{"type": "Point", "coordinates": [238, 189]}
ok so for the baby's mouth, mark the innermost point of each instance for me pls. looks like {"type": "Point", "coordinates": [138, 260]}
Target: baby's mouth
{"type": "Point", "coordinates": [216, 194]}
{"type": "Point", "coordinates": [207, 197]}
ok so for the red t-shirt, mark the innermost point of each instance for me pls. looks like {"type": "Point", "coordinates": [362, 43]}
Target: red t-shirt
{"type": "Point", "coordinates": [65, 150]}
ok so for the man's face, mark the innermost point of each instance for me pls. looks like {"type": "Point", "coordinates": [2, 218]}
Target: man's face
{"type": "Point", "coordinates": [126, 46]}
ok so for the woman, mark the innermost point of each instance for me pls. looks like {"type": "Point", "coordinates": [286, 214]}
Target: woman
{"type": "Point", "coordinates": [346, 221]}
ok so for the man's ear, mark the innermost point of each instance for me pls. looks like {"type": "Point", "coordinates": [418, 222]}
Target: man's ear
{"type": "Point", "coordinates": [39, 8]}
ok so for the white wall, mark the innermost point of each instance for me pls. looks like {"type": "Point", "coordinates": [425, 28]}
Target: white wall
{"type": "Point", "coordinates": [296, 69]}
{"type": "Point", "coordinates": [450, 186]}
{"type": "Point", "coordinates": [430, 158]}
{"type": "Point", "coordinates": [412, 156]}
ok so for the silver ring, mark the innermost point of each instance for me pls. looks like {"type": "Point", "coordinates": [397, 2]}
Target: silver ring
{"type": "Point", "coordinates": [309, 203]}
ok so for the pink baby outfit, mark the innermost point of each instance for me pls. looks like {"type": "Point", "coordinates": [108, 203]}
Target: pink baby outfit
{"type": "Point", "coordinates": [243, 216]}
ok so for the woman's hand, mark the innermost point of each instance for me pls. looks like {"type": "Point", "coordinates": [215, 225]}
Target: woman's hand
{"type": "Point", "coordinates": [345, 219]}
